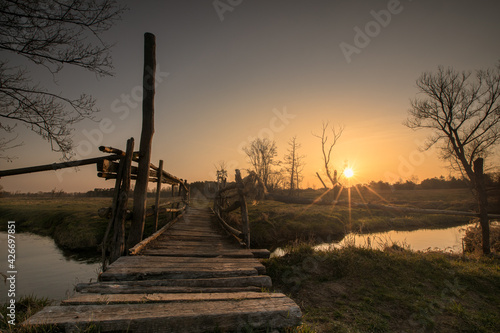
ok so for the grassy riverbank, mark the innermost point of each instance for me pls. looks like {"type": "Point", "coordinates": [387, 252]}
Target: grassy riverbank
{"type": "Point", "coordinates": [276, 223]}
{"type": "Point", "coordinates": [26, 306]}
{"type": "Point", "coordinates": [395, 290]}
{"type": "Point", "coordinates": [72, 222]}
{"type": "Point", "coordinates": [74, 225]}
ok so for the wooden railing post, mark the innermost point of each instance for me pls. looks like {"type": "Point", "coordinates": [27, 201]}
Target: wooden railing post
{"type": "Point", "coordinates": [187, 192]}
{"type": "Point", "coordinates": [172, 214]}
{"type": "Point", "coordinates": [178, 203]}
{"type": "Point", "coordinates": [141, 184]}
{"type": "Point", "coordinates": [119, 214]}
{"type": "Point", "coordinates": [158, 190]}
{"type": "Point", "coordinates": [244, 211]}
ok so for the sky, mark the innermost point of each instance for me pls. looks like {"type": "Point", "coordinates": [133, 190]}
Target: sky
{"type": "Point", "coordinates": [229, 71]}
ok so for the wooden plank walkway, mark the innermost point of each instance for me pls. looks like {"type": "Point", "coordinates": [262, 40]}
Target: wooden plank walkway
{"type": "Point", "coordinates": [191, 278]}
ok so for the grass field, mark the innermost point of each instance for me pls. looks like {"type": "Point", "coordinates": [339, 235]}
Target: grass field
{"type": "Point", "coordinates": [72, 222]}
{"type": "Point", "coordinates": [395, 290]}
{"type": "Point", "coordinates": [454, 199]}
{"type": "Point", "coordinates": [276, 224]}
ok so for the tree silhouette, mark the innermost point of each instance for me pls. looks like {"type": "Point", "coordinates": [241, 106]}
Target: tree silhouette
{"type": "Point", "coordinates": [463, 112]}
{"type": "Point", "coordinates": [52, 34]}
{"type": "Point", "coordinates": [327, 148]}
{"type": "Point", "coordinates": [261, 153]}
{"type": "Point", "coordinates": [294, 164]}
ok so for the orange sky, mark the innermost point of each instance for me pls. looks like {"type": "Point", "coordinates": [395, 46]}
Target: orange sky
{"type": "Point", "coordinates": [271, 69]}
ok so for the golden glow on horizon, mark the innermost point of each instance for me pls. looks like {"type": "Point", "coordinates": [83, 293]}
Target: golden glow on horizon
{"type": "Point", "coordinates": [348, 172]}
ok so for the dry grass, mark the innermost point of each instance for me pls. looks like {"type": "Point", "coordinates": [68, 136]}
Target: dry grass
{"type": "Point", "coordinates": [365, 290]}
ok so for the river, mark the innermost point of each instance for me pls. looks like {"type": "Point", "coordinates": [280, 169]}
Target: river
{"type": "Point", "coordinates": [42, 268]}
{"type": "Point", "coordinates": [448, 240]}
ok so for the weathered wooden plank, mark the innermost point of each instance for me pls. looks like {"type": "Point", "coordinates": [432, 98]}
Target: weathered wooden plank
{"type": "Point", "coordinates": [210, 247]}
{"type": "Point", "coordinates": [88, 299]}
{"type": "Point", "coordinates": [128, 274]}
{"type": "Point", "coordinates": [138, 247]}
{"type": "Point", "coordinates": [214, 242]}
{"type": "Point", "coordinates": [194, 232]}
{"type": "Point", "coordinates": [202, 316]}
{"type": "Point", "coordinates": [147, 262]}
{"type": "Point", "coordinates": [197, 228]}
{"type": "Point", "coordinates": [198, 238]}
{"type": "Point", "coordinates": [261, 281]}
{"type": "Point", "coordinates": [261, 253]}
{"type": "Point", "coordinates": [119, 289]}
{"type": "Point", "coordinates": [194, 253]}
{"type": "Point", "coordinates": [193, 266]}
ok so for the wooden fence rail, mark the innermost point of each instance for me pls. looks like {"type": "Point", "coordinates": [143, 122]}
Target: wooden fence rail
{"type": "Point", "coordinates": [57, 166]}
{"type": "Point", "coordinates": [222, 207]}
{"type": "Point", "coordinates": [123, 172]}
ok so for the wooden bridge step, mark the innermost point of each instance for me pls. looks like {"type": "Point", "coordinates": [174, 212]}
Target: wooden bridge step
{"type": "Point", "coordinates": [197, 233]}
{"type": "Point", "coordinates": [261, 281]}
{"type": "Point", "coordinates": [215, 242]}
{"type": "Point", "coordinates": [123, 289]}
{"type": "Point", "coordinates": [168, 237]}
{"type": "Point", "coordinates": [88, 299]}
{"type": "Point", "coordinates": [203, 316]}
{"type": "Point", "coordinates": [147, 262]}
{"type": "Point", "coordinates": [198, 253]}
{"type": "Point", "coordinates": [155, 273]}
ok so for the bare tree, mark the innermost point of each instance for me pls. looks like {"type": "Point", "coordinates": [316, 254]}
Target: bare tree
{"type": "Point", "coordinates": [51, 34]}
{"type": "Point", "coordinates": [294, 164]}
{"type": "Point", "coordinates": [327, 148]}
{"type": "Point", "coordinates": [221, 172]}
{"type": "Point", "coordinates": [463, 111]}
{"type": "Point", "coordinates": [261, 153]}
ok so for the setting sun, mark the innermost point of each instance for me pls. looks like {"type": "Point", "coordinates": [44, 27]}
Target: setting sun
{"type": "Point", "coordinates": [348, 173]}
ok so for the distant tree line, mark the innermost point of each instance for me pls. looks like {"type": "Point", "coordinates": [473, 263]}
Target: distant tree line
{"type": "Point", "coordinates": [166, 191]}
{"type": "Point", "coordinates": [435, 183]}
{"type": "Point", "coordinates": [426, 184]}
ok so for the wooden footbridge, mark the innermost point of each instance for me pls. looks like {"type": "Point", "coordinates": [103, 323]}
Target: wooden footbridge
{"type": "Point", "coordinates": [193, 277]}
{"type": "Point", "coordinates": [196, 274]}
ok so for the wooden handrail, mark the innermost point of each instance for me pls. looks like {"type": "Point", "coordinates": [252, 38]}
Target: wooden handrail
{"type": "Point", "coordinates": [56, 166]}
{"type": "Point", "coordinates": [239, 185]}
{"type": "Point", "coordinates": [167, 178]}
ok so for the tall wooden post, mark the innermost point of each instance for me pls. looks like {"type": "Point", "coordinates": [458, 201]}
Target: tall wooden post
{"type": "Point", "coordinates": [482, 198]}
{"type": "Point", "coordinates": [141, 184]}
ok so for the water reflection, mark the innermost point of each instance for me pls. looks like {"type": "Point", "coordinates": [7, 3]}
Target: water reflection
{"type": "Point", "coordinates": [43, 269]}
{"type": "Point", "coordinates": [448, 240]}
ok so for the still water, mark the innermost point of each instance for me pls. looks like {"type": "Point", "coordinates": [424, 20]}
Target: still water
{"type": "Point", "coordinates": [448, 240]}
{"type": "Point", "coordinates": [42, 268]}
